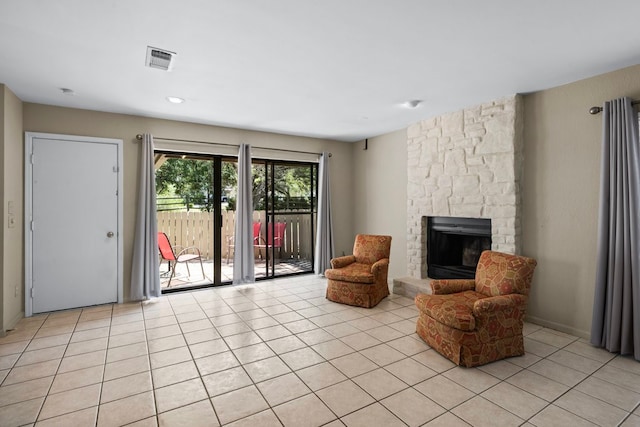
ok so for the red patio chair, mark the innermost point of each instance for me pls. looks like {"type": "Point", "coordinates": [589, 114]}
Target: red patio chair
{"type": "Point", "coordinates": [185, 255]}
{"type": "Point", "coordinates": [276, 241]}
{"type": "Point", "coordinates": [256, 239]}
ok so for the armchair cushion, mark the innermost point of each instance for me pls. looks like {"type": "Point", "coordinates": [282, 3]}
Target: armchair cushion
{"type": "Point", "coordinates": [354, 272]}
{"type": "Point", "coordinates": [454, 310]}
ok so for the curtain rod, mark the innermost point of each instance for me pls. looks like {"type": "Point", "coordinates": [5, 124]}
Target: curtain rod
{"type": "Point", "coordinates": [598, 110]}
{"type": "Point", "coordinates": [139, 138]}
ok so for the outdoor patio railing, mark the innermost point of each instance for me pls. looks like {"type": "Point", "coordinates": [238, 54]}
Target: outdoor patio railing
{"type": "Point", "coordinates": [195, 228]}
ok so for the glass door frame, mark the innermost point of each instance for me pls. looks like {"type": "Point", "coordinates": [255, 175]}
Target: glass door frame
{"type": "Point", "coordinates": [216, 212]}
{"type": "Point", "coordinates": [270, 210]}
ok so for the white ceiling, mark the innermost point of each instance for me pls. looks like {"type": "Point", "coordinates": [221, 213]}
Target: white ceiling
{"type": "Point", "coordinates": [337, 69]}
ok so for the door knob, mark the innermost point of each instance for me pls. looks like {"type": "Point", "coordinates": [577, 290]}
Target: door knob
{"type": "Point", "coordinates": [110, 234]}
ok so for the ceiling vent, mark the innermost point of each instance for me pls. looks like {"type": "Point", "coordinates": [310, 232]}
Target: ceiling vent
{"type": "Point", "coordinates": [159, 58]}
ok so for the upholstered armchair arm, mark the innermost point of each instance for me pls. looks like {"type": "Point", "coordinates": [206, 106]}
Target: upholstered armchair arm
{"type": "Point", "coordinates": [502, 303]}
{"type": "Point", "coordinates": [342, 261]}
{"type": "Point", "coordinates": [452, 286]}
{"type": "Point", "coordinates": [380, 266]}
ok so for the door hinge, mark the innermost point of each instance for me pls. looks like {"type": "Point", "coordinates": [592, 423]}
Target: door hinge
{"type": "Point", "coordinates": [32, 292]}
{"type": "Point", "coordinates": [33, 158]}
{"type": "Point", "coordinates": [116, 169]}
{"type": "Point", "coordinates": [32, 225]}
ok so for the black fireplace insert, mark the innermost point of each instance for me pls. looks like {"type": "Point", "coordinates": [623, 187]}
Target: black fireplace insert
{"type": "Point", "coordinates": [454, 246]}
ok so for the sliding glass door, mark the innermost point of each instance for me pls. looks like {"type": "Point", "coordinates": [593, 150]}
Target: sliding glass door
{"type": "Point", "coordinates": [188, 194]}
{"type": "Point", "coordinates": [196, 199]}
{"type": "Point", "coordinates": [284, 201]}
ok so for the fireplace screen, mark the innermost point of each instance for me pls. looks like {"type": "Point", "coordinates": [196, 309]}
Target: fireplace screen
{"type": "Point", "coordinates": [454, 246]}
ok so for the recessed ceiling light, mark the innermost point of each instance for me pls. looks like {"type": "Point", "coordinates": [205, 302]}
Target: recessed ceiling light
{"type": "Point", "coordinates": [175, 100]}
{"type": "Point", "coordinates": [67, 91]}
{"type": "Point", "coordinates": [414, 103]}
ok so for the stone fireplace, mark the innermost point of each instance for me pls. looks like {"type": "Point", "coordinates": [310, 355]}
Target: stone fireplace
{"type": "Point", "coordinates": [464, 164]}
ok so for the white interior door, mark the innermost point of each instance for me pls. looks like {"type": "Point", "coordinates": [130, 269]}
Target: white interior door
{"type": "Point", "coordinates": [74, 224]}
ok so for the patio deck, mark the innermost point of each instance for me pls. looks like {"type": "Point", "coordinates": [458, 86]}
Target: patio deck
{"type": "Point", "coordinates": [183, 280]}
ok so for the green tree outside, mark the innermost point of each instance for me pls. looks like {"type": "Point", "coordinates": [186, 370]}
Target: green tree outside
{"type": "Point", "coordinates": [188, 184]}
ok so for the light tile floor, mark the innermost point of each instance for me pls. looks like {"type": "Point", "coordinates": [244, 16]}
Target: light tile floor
{"type": "Point", "coordinates": [278, 353]}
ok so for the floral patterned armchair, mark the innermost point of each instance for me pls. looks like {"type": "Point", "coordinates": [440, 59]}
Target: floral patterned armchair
{"type": "Point", "coordinates": [361, 279]}
{"type": "Point", "coordinates": [473, 322]}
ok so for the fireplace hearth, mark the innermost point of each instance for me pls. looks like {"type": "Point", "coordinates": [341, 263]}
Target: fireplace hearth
{"type": "Point", "coordinates": [454, 246]}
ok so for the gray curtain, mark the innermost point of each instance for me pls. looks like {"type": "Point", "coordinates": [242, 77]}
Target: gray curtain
{"type": "Point", "coordinates": [243, 260]}
{"type": "Point", "coordinates": [324, 232]}
{"type": "Point", "coordinates": [145, 272]}
{"type": "Point", "coordinates": [616, 311]}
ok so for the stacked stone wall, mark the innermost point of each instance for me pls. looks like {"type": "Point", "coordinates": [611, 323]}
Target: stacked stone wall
{"type": "Point", "coordinates": [466, 164]}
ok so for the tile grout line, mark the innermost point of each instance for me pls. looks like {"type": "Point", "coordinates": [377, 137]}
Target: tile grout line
{"type": "Point", "coordinates": [629, 414]}
{"type": "Point", "coordinates": [311, 392]}
{"type": "Point", "coordinates": [146, 342]}
{"type": "Point", "coordinates": [209, 398]}
{"type": "Point", "coordinates": [19, 357]}
{"type": "Point", "coordinates": [46, 396]}
{"type": "Point", "coordinates": [104, 368]}
{"type": "Point", "coordinates": [58, 368]}
{"type": "Point", "coordinates": [571, 388]}
{"type": "Point", "coordinates": [270, 407]}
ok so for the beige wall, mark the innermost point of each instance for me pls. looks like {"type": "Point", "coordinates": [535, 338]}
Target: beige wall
{"type": "Point", "coordinates": [43, 118]}
{"type": "Point", "coordinates": [560, 194]}
{"type": "Point", "coordinates": [12, 192]}
{"type": "Point", "coordinates": [380, 196]}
